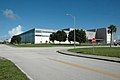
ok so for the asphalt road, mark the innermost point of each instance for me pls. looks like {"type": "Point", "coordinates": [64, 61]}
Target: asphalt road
{"type": "Point", "coordinates": [47, 64]}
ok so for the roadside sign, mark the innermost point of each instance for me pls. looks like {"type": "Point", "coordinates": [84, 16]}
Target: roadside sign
{"type": "Point", "coordinates": [93, 40]}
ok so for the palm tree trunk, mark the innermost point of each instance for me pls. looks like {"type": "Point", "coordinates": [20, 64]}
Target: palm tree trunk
{"type": "Point", "coordinates": [111, 40]}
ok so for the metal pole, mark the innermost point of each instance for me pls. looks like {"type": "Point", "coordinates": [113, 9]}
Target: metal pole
{"type": "Point", "coordinates": [93, 48]}
{"type": "Point", "coordinates": [74, 32]}
{"type": "Point", "coordinates": [74, 24]}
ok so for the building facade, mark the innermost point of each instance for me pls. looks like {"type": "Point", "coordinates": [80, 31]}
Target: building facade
{"type": "Point", "coordinates": [37, 36]}
{"type": "Point", "coordinates": [42, 35]}
{"type": "Point", "coordinates": [103, 36]}
{"type": "Point", "coordinates": [28, 36]}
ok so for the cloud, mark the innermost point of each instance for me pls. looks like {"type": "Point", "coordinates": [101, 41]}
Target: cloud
{"type": "Point", "coordinates": [15, 31]}
{"type": "Point", "coordinates": [10, 14]}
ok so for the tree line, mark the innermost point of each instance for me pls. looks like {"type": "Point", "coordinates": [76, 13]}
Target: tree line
{"type": "Point", "coordinates": [61, 36]}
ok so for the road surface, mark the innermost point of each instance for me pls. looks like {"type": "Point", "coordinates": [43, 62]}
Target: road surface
{"type": "Point", "coordinates": [46, 64]}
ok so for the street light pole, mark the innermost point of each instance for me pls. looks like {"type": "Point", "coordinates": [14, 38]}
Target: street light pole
{"type": "Point", "coordinates": [74, 23]}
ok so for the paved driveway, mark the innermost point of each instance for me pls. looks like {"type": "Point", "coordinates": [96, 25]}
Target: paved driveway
{"type": "Point", "coordinates": [47, 64]}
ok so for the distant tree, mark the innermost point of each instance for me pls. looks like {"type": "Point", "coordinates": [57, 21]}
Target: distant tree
{"type": "Point", "coordinates": [80, 36]}
{"type": "Point", "coordinates": [71, 36]}
{"type": "Point", "coordinates": [111, 30]}
{"type": "Point", "coordinates": [16, 39]}
{"type": "Point", "coordinates": [61, 36]}
{"type": "Point", "coordinates": [12, 40]}
{"type": "Point", "coordinates": [52, 37]}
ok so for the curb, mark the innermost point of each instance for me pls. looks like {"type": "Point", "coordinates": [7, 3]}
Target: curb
{"type": "Point", "coordinates": [24, 72]}
{"type": "Point", "coordinates": [19, 68]}
{"type": "Point", "coordinates": [86, 56]}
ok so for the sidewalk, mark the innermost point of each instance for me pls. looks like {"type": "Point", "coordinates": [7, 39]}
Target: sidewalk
{"type": "Point", "coordinates": [111, 59]}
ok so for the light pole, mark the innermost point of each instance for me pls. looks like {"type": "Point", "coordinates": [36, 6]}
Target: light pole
{"type": "Point", "coordinates": [74, 25]}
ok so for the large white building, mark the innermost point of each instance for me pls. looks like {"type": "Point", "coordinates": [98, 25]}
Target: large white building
{"type": "Point", "coordinates": [37, 36]}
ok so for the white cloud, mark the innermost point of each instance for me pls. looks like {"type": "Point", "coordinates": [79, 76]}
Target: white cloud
{"type": "Point", "coordinates": [15, 31]}
{"type": "Point", "coordinates": [10, 14]}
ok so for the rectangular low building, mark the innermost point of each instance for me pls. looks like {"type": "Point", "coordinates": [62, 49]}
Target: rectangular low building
{"type": "Point", "coordinates": [42, 35]}
{"type": "Point", "coordinates": [103, 36]}
{"type": "Point", "coordinates": [28, 36]}
{"type": "Point", "coordinates": [37, 36]}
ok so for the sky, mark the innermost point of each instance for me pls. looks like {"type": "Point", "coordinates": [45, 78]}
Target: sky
{"type": "Point", "coordinates": [17, 16]}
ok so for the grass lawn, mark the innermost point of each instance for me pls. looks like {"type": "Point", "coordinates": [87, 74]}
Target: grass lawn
{"type": "Point", "coordinates": [43, 45]}
{"type": "Point", "coordinates": [102, 51]}
{"type": "Point", "coordinates": [34, 45]}
{"type": "Point", "coordinates": [8, 71]}
{"type": "Point", "coordinates": [51, 45]}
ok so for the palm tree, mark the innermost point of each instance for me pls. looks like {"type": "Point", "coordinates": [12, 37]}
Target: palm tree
{"type": "Point", "coordinates": [111, 30]}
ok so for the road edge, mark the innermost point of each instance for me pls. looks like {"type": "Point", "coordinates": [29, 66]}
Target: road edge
{"type": "Point", "coordinates": [18, 68]}
{"type": "Point", "coordinates": [87, 56]}
{"type": "Point", "coordinates": [23, 72]}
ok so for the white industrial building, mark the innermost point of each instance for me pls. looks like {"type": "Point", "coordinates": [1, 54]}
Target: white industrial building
{"type": "Point", "coordinates": [37, 36]}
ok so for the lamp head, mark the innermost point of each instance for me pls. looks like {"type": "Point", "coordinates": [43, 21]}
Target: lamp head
{"type": "Point", "coordinates": [67, 14]}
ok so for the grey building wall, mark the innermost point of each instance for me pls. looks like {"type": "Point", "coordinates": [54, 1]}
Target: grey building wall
{"type": "Point", "coordinates": [28, 36]}
{"type": "Point", "coordinates": [101, 34]}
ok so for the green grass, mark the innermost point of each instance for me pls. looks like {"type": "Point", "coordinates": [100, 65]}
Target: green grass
{"type": "Point", "coordinates": [101, 51]}
{"type": "Point", "coordinates": [51, 45]}
{"type": "Point", "coordinates": [34, 45]}
{"type": "Point", "coordinates": [8, 71]}
{"type": "Point", "coordinates": [43, 45]}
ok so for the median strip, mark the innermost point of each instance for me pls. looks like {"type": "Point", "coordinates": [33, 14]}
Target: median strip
{"type": "Point", "coordinates": [97, 57]}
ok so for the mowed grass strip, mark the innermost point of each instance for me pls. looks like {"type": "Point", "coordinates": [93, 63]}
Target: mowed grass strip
{"type": "Point", "coordinates": [51, 45]}
{"type": "Point", "coordinates": [101, 51]}
{"type": "Point", "coordinates": [43, 45]}
{"type": "Point", "coordinates": [33, 45]}
{"type": "Point", "coordinates": [8, 71]}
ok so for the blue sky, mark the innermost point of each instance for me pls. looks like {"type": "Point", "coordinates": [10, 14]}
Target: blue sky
{"type": "Point", "coordinates": [51, 14]}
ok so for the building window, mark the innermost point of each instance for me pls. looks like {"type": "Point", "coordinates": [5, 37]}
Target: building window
{"type": "Point", "coordinates": [42, 35]}
{"type": "Point", "coordinates": [39, 31]}
{"type": "Point", "coordinates": [38, 35]}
